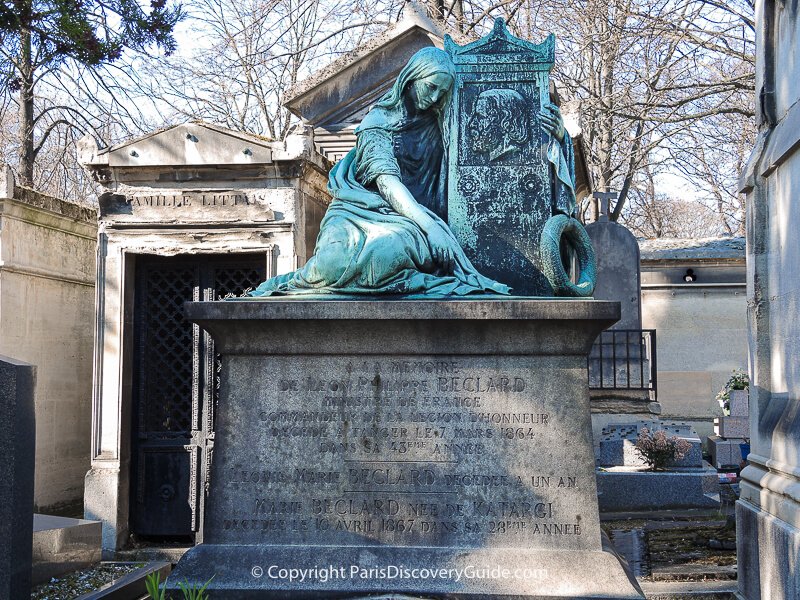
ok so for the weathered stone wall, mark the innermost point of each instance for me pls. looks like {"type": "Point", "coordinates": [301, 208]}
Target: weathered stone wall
{"type": "Point", "coordinates": [47, 264]}
{"type": "Point", "coordinates": [701, 337]}
{"type": "Point", "coordinates": [768, 512]}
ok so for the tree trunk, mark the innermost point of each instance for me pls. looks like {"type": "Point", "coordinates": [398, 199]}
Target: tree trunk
{"type": "Point", "coordinates": [26, 154]}
{"type": "Point", "coordinates": [458, 13]}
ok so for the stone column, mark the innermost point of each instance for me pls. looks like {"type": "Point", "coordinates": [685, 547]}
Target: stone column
{"type": "Point", "coordinates": [17, 453]}
{"type": "Point", "coordinates": [768, 512]}
{"type": "Point", "coordinates": [107, 482]}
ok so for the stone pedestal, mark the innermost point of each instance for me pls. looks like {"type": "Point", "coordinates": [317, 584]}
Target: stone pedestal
{"type": "Point", "coordinates": [420, 447]}
{"type": "Point", "coordinates": [732, 427]}
{"type": "Point", "coordinates": [730, 432]}
{"type": "Point", "coordinates": [739, 403]}
{"type": "Point", "coordinates": [725, 454]}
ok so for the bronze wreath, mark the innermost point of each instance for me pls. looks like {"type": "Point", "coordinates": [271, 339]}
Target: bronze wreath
{"type": "Point", "coordinates": [569, 229]}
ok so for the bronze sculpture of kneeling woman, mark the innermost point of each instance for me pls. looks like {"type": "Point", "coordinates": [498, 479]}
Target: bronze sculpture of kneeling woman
{"type": "Point", "coordinates": [385, 231]}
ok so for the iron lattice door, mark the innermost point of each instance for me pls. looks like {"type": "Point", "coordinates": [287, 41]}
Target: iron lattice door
{"type": "Point", "coordinates": [175, 383]}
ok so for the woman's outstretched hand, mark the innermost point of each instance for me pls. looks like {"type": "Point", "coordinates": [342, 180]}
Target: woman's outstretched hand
{"type": "Point", "coordinates": [441, 249]}
{"type": "Point", "coordinates": [398, 196]}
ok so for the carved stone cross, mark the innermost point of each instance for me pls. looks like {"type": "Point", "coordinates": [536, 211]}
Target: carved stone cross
{"type": "Point", "coordinates": [604, 199]}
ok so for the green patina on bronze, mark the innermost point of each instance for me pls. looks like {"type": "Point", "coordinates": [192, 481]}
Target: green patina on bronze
{"type": "Point", "coordinates": [386, 230]}
{"type": "Point", "coordinates": [384, 233]}
{"type": "Point", "coordinates": [511, 167]}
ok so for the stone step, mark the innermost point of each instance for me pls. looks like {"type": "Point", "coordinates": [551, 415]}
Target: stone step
{"type": "Point", "coordinates": [170, 554]}
{"type": "Point", "coordinates": [694, 573]}
{"type": "Point", "coordinates": [694, 590]}
{"type": "Point", "coordinates": [689, 514]}
{"type": "Point", "coordinates": [62, 545]}
{"type": "Point", "coordinates": [630, 544]}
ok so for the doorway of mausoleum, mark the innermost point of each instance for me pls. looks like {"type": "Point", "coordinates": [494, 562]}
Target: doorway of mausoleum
{"type": "Point", "coordinates": [175, 384]}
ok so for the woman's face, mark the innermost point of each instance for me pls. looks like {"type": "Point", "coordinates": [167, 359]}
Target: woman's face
{"type": "Point", "coordinates": [427, 91]}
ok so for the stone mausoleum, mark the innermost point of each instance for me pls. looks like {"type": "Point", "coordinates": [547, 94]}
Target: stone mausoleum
{"type": "Point", "coordinates": [191, 212]}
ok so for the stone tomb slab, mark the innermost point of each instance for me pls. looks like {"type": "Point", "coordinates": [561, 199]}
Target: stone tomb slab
{"type": "Point", "coordinates": [434, 448]}
{"type": "Point", "coordinates": [62, 545]}
{"type": "Point", "coordinates": [625, 489]}
{"type": "Point", "coordinates": [617, 447]}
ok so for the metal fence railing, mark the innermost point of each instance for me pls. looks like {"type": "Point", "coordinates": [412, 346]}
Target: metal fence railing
{"type": "Point", "coordinates": [624, 359]}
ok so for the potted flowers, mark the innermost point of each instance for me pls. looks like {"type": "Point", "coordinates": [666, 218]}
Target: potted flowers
{"type": "Point", "coordinates": [736, 387]}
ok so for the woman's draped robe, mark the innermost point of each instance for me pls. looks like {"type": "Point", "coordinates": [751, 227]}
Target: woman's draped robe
{"type": "Point", "coordinates": [364, 245]}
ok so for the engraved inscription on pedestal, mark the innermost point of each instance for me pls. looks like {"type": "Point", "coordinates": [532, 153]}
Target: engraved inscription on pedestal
{"type": "Point", "coordinates": [191, 206]}
{"type": "Point", "coordinates": [402, 451]}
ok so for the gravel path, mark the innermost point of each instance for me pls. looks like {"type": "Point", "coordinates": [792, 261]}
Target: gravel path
{"type": "Point", "coordinates": [72, 585]}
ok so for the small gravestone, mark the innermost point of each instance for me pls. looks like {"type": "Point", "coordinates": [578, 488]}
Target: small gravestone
{"type": "Point", "coordinates": [619, 363]}
{"type": "Point", "coordinates": [17, 452]}
{"type": "Point", "coordinates": [618, 266]}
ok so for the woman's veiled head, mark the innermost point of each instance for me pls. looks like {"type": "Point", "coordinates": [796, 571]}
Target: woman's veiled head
{"type": "Point", "coordinates": [428, 77]}
{"type": "Point", "coordinates": [430, 91]}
